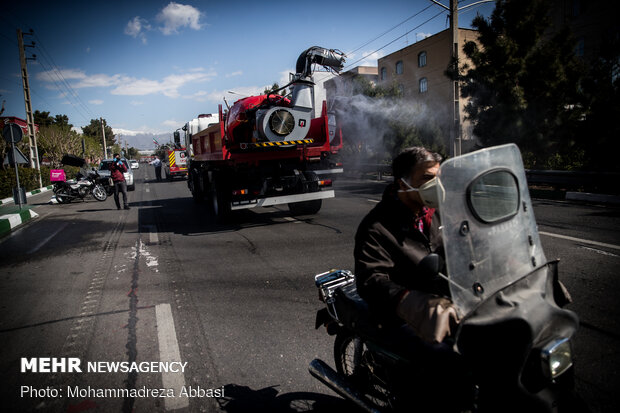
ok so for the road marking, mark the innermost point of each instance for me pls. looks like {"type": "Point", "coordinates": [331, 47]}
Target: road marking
{"type": "Point", "coordinates": [168, 352]}
{"type": "Point", "coordinates": [373, 201]}
{"type": "Point", "coordinates": [600, 251]}
{"type": "Point", "coordinates": [585, 241]}
{"type": "Point", "coordinates": [46, 240]}
{"type": "Point", "coordinates": [291, 219]}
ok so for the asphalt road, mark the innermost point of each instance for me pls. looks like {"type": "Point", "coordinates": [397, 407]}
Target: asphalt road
{"type": "Point", "coordinates": [236, 302]}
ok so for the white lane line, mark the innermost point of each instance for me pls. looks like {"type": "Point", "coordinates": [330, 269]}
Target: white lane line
{"type": "Point", "coordinates": [46, 240]}
{"type": "Point", "coordinates": [375, 201]}
{"type": "Point", "coordinates": [584, 241]}
{"type": "Point", "coordinates": [169, 351]}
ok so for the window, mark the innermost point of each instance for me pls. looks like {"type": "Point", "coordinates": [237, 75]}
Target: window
{"type": "Point", "coordinates": [383, 73]}
{"type": "Point", "coordinates": [399, 67]}
{"type": "Point", "coordinates": [423, 85]}
{"type": "Point", "coordinates": [422, 59]}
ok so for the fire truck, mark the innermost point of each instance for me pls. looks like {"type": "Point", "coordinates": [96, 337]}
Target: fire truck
{"type": "Point", "coordinates": [175, 164]}
{"type": "Point", "coordinates": [269, 149]}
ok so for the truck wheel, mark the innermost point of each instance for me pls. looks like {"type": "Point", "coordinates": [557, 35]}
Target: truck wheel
{"type": "Point", "coordinates": [306, 207]}
{"type": "Point", "coordinates": [220, 201]}
{"type": "Point", "coordinates": [193, 183]}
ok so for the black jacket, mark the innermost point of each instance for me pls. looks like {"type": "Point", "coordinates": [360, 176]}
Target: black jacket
{"type": "Point", "coordinates": [388, 248]}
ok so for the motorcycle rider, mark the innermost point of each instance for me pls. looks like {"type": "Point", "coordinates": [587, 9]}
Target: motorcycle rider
{"type": "Point", "coordinates": [393, 238]}
{"type": "Point", "coordinates": [117, 169]}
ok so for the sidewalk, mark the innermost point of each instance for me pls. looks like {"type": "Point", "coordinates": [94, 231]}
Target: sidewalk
{"type": "Point", "coordinates": [10, 214]}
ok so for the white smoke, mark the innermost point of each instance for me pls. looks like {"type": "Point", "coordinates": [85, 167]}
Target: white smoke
{"type": "Point", "coordinates": [370, 124]}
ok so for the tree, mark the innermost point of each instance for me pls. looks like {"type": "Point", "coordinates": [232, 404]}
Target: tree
{"type": "Point", "coordinates": [523, 81]}
{"type": "Point", "coordinates": [601, 102]}
{"type": "Point", "coordinates": [42, 118]}
{"type": "Point", "coordinates": [94, 129]}
{"type": "Point", "coordinates": [54, 141]}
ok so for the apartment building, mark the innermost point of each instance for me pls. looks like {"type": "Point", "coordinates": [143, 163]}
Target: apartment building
{"type": "Point", "coordinates": [419, 71]}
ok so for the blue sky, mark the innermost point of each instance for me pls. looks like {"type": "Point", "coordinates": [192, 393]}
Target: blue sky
{"type": "Point", "coordinates": [148, 67]}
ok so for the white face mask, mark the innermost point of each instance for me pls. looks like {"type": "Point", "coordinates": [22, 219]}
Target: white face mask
{"type": "Point", "coordinates": [430, 192]}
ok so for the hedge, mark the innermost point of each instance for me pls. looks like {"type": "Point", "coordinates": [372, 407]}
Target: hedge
{"type": "Point", "coordinates": [28, 179]}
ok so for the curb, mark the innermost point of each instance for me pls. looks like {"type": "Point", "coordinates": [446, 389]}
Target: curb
{"type": "Point", "coordinates": [597, 198]}
{"type": "Point", "coordinates": [10, 221]}
{"type": "Point", "coordinates": [7, 201]}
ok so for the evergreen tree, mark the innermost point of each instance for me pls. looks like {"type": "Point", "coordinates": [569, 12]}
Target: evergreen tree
{"type": "Point", "coordinates": [94, 129]}
{"type": "Point", "coordinates": [523, 84]}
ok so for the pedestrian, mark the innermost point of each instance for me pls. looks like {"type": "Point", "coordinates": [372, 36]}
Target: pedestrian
{"type": "Point", "coordinates": [157, 164]}
{"type": "Point", "coordinates": [117, 170]}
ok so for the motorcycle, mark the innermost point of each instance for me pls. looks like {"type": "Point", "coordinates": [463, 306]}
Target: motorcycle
{"type": "Point", "coordinates": [512, 348]}
{"type": "Point", "coordinates": [86, 183]}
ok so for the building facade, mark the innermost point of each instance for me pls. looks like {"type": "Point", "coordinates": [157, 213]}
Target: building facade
{"type": "Point", "coordinates": [419, 71]}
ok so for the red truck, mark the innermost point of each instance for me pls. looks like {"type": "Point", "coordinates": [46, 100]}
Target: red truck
{"type": "Point", "coordinates": [267, 150]}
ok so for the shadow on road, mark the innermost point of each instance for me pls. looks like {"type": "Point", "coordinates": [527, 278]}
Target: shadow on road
{"type": "Point", "coordinates": [240, 399]}
{"type": "Point", "coordinates": [186, 217]}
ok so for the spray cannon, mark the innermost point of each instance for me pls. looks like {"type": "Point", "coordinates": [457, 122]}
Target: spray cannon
{"type": "Point", "coordinates": [276, 118]}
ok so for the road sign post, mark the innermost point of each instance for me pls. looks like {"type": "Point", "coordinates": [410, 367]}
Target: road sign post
{"type": "Point", "coordinates": [13, 134]}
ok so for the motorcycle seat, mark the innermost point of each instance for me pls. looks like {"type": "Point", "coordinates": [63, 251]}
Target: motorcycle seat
{"type": "Point", "coordinates": [353, 312]}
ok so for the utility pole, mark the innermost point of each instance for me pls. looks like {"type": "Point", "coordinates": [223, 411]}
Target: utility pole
{"type": "Point", "coordinates": [456, 111]}
{"type": "Point", "coordinates": [34, 152]}
{"type": "Point", "coordinates": [455, 130]}
{"type": "Point", "coordinates": [105, 146]}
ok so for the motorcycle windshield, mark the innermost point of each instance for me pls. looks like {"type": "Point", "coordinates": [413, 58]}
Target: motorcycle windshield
{"type": "Point", "coordinates": [489, 230]}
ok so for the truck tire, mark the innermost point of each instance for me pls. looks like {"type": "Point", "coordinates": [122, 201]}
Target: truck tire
{"type": "Point", "coordinates": [193, 183]}
{"type": "Point", "coordinates": [306, 207]}
{"type": "Point", "coordinates": [219, 198]}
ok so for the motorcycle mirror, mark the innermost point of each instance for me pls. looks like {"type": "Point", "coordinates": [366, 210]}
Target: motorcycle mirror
{"type": "Point", "coordinates": [431, 265]}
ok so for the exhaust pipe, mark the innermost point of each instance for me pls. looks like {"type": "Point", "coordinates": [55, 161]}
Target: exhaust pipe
{"type": "Point", "coordinates": [337, 383]}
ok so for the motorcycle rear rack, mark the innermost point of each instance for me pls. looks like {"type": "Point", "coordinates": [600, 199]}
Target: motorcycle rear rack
{"type": "Point", "coordinates": [328, 282]}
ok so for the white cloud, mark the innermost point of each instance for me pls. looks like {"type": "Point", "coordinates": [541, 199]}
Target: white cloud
{"type": "Point", "coordinates": [369, 58]}
{"type": "Point", "coordinates": [233, 74]}
{"type": "Point", "coordinates": [126, 85]}
{"type": "Point", "coordinates": [422, 35]}
{"type": "Point", "coordinates": [56, 75]}
{"type": "Point", "coordinates": [175, 16]}
{"type": "Point", "coordinates": [171, 123]}
{"type": "Point", "coordinates": [136, 102]}
{"type": "Point", "coordinates": [136, 28]}
{"type": "Point", "coordinates": [230, 95]}
{"type": "Point", "coordinates": [96, 102]}
{"type": "Point", "coordinates": [168, 86]}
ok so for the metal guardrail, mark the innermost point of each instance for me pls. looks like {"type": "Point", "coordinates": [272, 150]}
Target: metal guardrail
{"type": "Point", "coordinates": [605, 182]}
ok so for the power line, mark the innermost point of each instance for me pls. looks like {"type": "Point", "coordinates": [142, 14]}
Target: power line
{"type": "Point", "coordinates": [59, 75]}
{"type": "Point", "coordinates": [398, 38]}
{"type": "Point", "coordinates": [389, 30]}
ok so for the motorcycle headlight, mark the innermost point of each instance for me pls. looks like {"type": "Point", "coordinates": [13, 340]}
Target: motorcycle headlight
{"type": "Point", "coordinates": [557, 357]}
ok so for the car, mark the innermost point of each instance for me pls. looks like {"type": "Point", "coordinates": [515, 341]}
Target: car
{"type": "Point", "coordinates": [104, 170]}
{"type": "Point", "coordinates": [134, 164]}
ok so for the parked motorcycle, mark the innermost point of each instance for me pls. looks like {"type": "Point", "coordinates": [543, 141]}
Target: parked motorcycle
{"type": "Point", "coordinates": [86, 183]}
{"type": "Point", "coordinates": [512, 349]}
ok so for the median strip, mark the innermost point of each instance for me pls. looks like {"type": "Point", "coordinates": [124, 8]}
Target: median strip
{"type": "Point", "coordinates": [9, 221]}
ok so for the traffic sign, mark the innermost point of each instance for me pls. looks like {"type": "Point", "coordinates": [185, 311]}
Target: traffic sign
{"type": "Point", "coordinates": [12, 133]}
{"type": "Point", "coordinates": [21, 158]}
